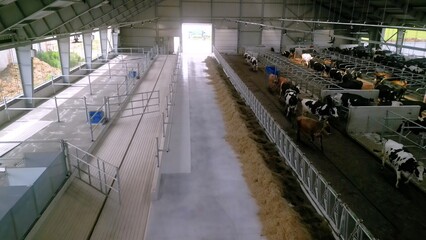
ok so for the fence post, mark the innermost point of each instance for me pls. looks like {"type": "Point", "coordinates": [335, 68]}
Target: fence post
{"type": "Point", "coordinates": [66, 155]}
{"type": "Point", "coordinates": [57, 109]}
{"type": "Point", "coordinates": [5, 108]}
{"type": "Point", "coordinates": [52, 84]}
{"type": "Point", "coordinates": [90, 86]}
{"type": "Point", "coordinates": [106, 110]}
{"type": "Point", "coordinates": [85, 107]}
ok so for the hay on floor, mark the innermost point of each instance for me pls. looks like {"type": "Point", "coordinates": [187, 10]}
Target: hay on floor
{"type": "Point", "coordinates": [279, 219]}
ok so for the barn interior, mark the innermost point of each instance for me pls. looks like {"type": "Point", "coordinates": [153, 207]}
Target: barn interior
{"type": "Point", "coordinates": [86, 81]}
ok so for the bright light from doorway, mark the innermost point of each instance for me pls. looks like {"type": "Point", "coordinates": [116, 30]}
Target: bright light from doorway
{"type": "Point", "coordinates": [176, 44]}
{"type": "Point", "coordinates": [196, 38]}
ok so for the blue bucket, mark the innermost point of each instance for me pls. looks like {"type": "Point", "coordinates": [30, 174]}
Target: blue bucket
{"type": "Point", "coordinates": [96, 116]}
{"type": "Point", "coordinates": [132, 74]}
{"type": "Point", "coordinates": [272, 70]}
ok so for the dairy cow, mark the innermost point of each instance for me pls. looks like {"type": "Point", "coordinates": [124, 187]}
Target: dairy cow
{"type": "Point", "coordinates": [290, 100]}
{"type": "Point", "coordinates": [306, 58]}
{"type": "Point", "coordinates": [402, 161]}
{"type": "Point", "coordinates": [254, 64]}
{"type": "Point", "coordinates": [286, 85]}
{"type": "Point", "coordinates": [312, 128]}
{"type": "Point", "coordinates": [322, 109]}
{"type": "Point", "coordinates": [350, 99]}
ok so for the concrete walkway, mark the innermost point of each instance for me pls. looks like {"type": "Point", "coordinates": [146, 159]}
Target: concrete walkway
{"type": "Point", "coordinates": [203, 194]}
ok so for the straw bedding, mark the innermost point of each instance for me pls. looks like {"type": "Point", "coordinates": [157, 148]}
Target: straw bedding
{"type": "Point", "coordinates": [284, 211]}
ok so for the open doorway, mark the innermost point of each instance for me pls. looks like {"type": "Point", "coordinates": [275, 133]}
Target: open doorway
{"type": "Point", "coordinates": [176, 45]}
{"type": "Point", "coordinates": [196, 38]}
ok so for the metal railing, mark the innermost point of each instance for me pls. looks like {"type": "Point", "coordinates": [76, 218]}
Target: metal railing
{"type": "Point", "coordinates": [56, 103]}
{"type": "Point", "coordinates": [413, 79]}
{"type": "Point", "coordinates": [92, 170]}
{"type": "Point", "coordinates": [117, 85]}
{"type": "Point", "coordinates": [344, 223]}
{"type": "Point", "coordinates": [406, 127]}
{"type": "Point", "coordinates": [136, 105]}
{"type": "Point", "coordinates": [311, 82]}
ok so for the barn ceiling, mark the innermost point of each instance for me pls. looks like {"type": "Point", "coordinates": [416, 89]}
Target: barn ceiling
{"type": "Point", "coordinates": [410, 13]}
{"type": "Point", "coordinates": [26, 21]}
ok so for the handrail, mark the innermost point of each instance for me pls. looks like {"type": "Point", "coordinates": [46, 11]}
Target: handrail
{"type": "Point", "coordinates": [7, 109]}
{"type": "Point", "coordinates": [325, 199]}
{"type": "Point", "coordinates": [93, 170]}
{"type": "Point", "coordinates": [393, 116]}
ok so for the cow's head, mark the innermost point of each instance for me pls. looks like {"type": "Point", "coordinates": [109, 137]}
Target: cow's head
{"type": "Point", "coordinates": [420, 171]}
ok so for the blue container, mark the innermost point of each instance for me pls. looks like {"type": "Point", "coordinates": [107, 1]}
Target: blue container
{"type": "Point", "coordinates": [132, 74]}
{"type": "Point", "coordinates": [96, 116]}
{"type": "Point", "coordinates": [272, 70]}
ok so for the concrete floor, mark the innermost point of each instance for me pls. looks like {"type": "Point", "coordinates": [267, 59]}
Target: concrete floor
{"type": "Point", "coordinates": [202, 193]}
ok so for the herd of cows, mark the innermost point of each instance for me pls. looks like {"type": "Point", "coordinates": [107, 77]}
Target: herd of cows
{"type": "Point", "coordinates": [346, 75]}
{"type": "Point", "coordinates": [386, 57]}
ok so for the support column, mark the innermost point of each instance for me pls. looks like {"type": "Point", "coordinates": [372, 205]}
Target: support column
{"type": "Point", "coordinates": [25, 61]}
{"type": "Point", "coordinates": [64, 54]}
{"type": "Point", "coordinates": [103, 33]}
{"type": "Point", "coordinates": [87, 42]}
{"type": "Point", "coordinates": [115, 33]}
{"type": "Point", "coordinates": [374, 35]}
{"type": "Point", "coordinates": [399, 40]}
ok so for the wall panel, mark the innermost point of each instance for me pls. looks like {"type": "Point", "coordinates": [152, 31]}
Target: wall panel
{"type": "Point", "coordinates": [271, 38]}
{"type": "Point", "coordinates": [196, 9]}
{"type": "Point", "coordinates": [273, 11]}
{"type": "Point", "coordinates": [231, 10]}
{"type": "Point", "coordinates": [226, 40]}
{"type": "Point", "coordinates": [168, 12]}
{"type": "Point", "coordinates": [251, 10]}
{"type": "Point", "coordinates": [249, 39]}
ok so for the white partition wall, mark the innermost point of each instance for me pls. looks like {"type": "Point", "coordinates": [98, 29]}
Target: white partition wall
{"type": "Point", "coordinates": [367, 119]}
{"type": "Point", "coordinates": [226, 40]}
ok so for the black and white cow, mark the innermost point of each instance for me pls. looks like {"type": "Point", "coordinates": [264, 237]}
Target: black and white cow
{"type": "Point", "coordinates": [402, 161]}
{"type": "Point", "coordinates": [290, 100]}
{"type": "Point", "coordinates": [350, 99]}
{"type": "Point", "coordinates": [247, 57]}
{"type": "Point", "coordinates": [286, 85]}
{"type": "Point", "coordinates": [254, 64]}
{"type": "Point", "coordinates": [316, 65]}
{"type": "Point", "coordinates": [323, 110]}
{"type": "Point", "coordinates": [387, 94]}
{"type": "Point", "coordinates": [285, 54]}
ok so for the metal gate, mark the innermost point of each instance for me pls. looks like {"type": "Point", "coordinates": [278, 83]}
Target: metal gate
{"type": "Point", "coordinates": [139, 103]}
{"type": "Point", "coordinates": [92, 170]}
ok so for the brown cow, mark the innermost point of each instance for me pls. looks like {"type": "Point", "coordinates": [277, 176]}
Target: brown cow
{"type": "Point", "coordinates": [311, 127]}
{"type": "Point", "coordinates": [381, 75]}
{"type": "Point", "coordinates": [275, 82]}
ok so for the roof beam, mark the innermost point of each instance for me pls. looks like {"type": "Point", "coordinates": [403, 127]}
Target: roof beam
{"type": "Point", "coordinates": [19, 11]}
{"type": "Point", "coordinates": [76, 15]}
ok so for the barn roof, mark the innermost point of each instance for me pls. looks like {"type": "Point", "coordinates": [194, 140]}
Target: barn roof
{"type": "Point", "coordinates": [25, 21]}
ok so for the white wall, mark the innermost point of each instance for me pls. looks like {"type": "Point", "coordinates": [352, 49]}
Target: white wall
{"type": "Point", "coordinates": [271, 38]}
{"type": "Point", "coordinates": [6, 57]}
{"type": "Point", "coordinates": [226, 40]}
